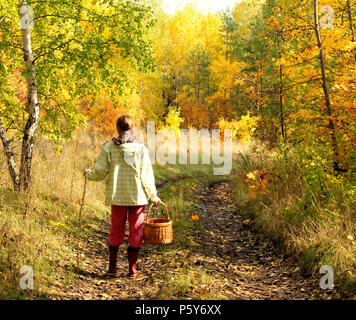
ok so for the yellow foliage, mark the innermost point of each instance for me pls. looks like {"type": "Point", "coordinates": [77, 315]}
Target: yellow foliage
{"type": "Point", "coordinates": [243, 128]}
{"type": "Point", "coordinates": [173, 120]}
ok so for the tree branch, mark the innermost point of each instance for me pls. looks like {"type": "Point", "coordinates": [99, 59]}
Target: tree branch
{"type": "Point", "coordinates": [58, 16]}
{"type": "Point", "coordinates": [52, 50]}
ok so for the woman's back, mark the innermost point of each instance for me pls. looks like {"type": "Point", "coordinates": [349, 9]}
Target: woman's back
{"type": "Point", "coordinates": [131, 179]}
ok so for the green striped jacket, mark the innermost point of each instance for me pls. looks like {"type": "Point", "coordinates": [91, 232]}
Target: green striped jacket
{"type": "Point", "coordinates": [131, 180]}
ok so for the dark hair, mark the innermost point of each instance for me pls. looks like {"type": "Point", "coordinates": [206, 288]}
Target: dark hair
{"type": "Point", "coordinates": [124, 123]}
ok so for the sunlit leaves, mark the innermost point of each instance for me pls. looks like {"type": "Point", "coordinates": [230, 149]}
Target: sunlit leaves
{"type": "Point", "coordinates": [79, 48]}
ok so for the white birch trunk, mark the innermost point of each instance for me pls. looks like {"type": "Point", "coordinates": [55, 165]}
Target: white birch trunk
{"type": "Point", "coordinates": [33, 109]}
{"type": "Point", "coordinates": [9, 153]}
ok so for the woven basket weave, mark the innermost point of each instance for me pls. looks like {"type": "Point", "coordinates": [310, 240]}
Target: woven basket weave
{"type": "Point", "coordinates": [158, 231]}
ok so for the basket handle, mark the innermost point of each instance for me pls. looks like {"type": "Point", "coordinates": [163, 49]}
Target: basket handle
{"type": "Point", "coordinates": [149, 211]}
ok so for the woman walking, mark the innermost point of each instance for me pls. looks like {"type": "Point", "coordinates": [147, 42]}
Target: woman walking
{"type": "Point", "coordinates": [130, 185]}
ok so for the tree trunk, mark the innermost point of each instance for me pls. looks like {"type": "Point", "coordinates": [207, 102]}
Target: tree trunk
{"type": "Point", "coordinates": [9, 153]}
{"type": "Point", "coordinates": [326, 90]}
{"type": "Point", "coordinates": [198, 88]}
{"type": "Point", "coordinates": [33, 110]}
{"type": "Point", "coordinates": [281, 103]}
{"type": "Point", "coordinates": [261, 94]}
{"type": "Point", "coordinates": [281, 88]}
{"type": "Point", "coordinates": [349, 14]}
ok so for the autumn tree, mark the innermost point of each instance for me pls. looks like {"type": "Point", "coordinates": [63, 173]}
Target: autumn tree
{"type": "Point", "coordinates": [198, 73]}
{"type": "Point", "coordinates": [69, 51]}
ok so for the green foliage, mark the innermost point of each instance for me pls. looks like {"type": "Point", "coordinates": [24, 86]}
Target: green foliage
{"type": "Point", "coordinates": [80, 47]}
{"type": "Point", "coordinates": [197, 76]}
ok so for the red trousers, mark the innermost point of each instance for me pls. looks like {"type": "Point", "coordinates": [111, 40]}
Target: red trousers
{"type": "Point", "coordinates": [119, 216]}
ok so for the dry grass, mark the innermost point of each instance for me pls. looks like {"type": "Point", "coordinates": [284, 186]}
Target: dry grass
{"type": "Point", "coordinates": [38, 228]}
{"type": "Point", "coordinates": [318, 227]}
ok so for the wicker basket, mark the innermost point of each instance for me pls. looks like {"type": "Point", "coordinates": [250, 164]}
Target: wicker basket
{"type": "Point", "coordinates": [158, 231]}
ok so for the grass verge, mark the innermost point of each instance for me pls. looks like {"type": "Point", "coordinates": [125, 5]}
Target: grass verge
{"type": "Point", "coordinates": [293, 198]}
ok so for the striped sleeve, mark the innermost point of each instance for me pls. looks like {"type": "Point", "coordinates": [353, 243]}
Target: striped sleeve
{"type": "Point", "coordinates": [101, 167]}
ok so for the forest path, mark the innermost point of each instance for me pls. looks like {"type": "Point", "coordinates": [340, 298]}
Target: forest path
{"type": "Point", "coordinates": [244, 263]}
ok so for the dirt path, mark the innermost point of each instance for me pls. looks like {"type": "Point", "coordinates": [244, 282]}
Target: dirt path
{"type": "Point", "coordinates": [254, 267]}
{"type": "Point", "coordinates": [246, 264]}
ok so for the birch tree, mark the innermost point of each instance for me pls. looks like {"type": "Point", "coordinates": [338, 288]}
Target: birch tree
{"type": "Point", "coordinates": [65, 52]}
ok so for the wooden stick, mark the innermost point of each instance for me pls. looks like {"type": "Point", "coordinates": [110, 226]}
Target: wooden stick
{"type": "Point", "coordinates": [80, 219]}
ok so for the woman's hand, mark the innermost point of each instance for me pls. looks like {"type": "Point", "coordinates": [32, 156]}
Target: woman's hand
{"type": "Point", "coordinates": [85, 172]}
{"type": "Point", "coordinates": [157, 202]}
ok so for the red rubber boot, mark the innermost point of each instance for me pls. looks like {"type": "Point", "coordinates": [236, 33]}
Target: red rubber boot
{"type": "Point", "coordinates": [112, 260]}
{"type": "Point", "coordinates": [132, 254]}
